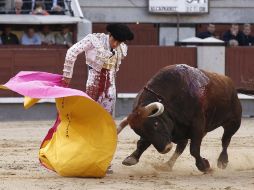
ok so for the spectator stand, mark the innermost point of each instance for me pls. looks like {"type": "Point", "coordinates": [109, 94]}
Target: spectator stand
{"type": "Point", "coordinates": [73, 16]}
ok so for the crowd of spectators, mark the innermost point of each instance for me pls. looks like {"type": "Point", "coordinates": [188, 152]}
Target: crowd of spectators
{"type": "Point", "coordinates": [233, 37]}
{"type": "Point", "coordinates": [31, 37]}
{"type": "Point", "coordinates": [37, 7]}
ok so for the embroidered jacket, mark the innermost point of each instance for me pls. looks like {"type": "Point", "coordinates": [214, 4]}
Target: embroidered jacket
{"type": "Point", "coordinates": [98, 55]}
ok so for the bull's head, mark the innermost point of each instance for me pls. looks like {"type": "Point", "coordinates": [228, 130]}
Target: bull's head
{"type": "Point", "coordinates": [151, 123]}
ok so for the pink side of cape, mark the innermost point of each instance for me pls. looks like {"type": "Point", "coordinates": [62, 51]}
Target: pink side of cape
{"type": "Point", "coordinates": [41, 85]}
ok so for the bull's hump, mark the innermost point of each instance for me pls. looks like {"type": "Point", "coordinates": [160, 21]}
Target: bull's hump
{"type": "Point", "coordinates": [195, 79]}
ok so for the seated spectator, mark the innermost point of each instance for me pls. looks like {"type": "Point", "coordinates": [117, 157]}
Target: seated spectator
{"type": "Point", "coordinates": [7, 37]}
{"type": "Point", "coordinates": [55, 7]}
{"type": "Point", "coordinates": [64, 37]}
{"type": "Point", "coordinates": [47, 38]}
{"type": "Point", "coordinates": [51, 6]}
{"type": "Point", "coordinates": [30, 37]}
{"type": "Point", "coordinates": [18, 8]}
{"type": "Point", "coordinates": [29, 5]}
{"type": "Point", "coordinates": [247, 38]}
{"type": "Point", "coordinates": [39, 9]}
{"type": "Point", "coordinates": [209, 33]}
{"type": "Point", "coordinates": [233, 34]}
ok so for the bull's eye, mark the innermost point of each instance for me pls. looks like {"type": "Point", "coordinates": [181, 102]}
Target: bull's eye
{"type": "Point", "coordinates": [156, 124]}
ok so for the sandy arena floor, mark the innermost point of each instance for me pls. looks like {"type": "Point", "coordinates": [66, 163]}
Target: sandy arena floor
{"type": "Point", "coordinates": [20, 168]}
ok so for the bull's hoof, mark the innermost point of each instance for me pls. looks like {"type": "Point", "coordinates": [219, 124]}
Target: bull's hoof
{"type": "Point", "coordinates": [203, 165]}
{"type": "Point", "coordinates": [222, 161]}
{"type": "Point", "coordinates": [222, 165]}
{"type": "Point", "coordinates": [129, 161]}
{"type": "Point", "coordinates": [170, 165]}
{"type": "Point", "coordinates": [109, 170]}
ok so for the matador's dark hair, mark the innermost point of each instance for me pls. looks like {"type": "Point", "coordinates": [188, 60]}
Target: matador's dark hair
{"type": "Point", "coordinates": [120, 32]}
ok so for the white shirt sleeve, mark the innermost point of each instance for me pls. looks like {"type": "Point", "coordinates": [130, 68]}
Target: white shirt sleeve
{"type": "Point", "coordinates": [72, 53]}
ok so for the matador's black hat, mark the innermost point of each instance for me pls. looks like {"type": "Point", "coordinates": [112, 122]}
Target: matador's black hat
{"type": "Point", "coordinates": [120, 32]}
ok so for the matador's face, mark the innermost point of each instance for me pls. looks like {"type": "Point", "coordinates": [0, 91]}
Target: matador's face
{"type": "Point", "coordinates": [113, 42]}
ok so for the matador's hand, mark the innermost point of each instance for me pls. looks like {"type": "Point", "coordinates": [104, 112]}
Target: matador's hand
{"type": "Point", "coordinates": [66, 81]}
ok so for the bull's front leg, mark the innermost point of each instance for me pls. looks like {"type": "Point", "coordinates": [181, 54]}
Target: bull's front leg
{"type": "Point", "coordinates": [178, 151]}
{"type": "Point", "coordinates": [201, 163]}
{"type": "Point", "coordinates": [133, 159]}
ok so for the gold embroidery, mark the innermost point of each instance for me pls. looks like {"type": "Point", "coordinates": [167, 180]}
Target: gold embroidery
{"type": "Point", "coordinates": [110, 63]}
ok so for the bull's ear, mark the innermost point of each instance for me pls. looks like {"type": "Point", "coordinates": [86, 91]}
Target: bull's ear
{"type": "Point", "coordinates": [137, 112]}
{"type": "Point", "coordinates": [130, 118]}
{"type": "Point", "coordinates": [140, 113]}
{"type": "Point", "coordinates": [134, 118]}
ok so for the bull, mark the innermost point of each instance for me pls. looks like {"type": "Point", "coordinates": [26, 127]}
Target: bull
{"type": "Point", "coordinates": [182, 103]}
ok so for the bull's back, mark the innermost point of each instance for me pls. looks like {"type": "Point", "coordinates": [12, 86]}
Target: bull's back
{"type": "Point", "coordinates": [186, 90]}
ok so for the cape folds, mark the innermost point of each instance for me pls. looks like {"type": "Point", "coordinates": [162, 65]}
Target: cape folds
{"type": "Point", "coordinates": [83, 140]}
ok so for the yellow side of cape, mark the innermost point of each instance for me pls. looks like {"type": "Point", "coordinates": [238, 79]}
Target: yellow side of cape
{"type": "Point", "coordinates": [85, 140]}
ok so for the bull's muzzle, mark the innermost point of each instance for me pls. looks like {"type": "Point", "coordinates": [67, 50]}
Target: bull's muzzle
{"type": "Point", "coordinates": [167, 148]}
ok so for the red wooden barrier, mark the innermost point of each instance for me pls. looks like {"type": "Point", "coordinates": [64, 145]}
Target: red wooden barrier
{"type": "Point", "coordinates": [141, 63]}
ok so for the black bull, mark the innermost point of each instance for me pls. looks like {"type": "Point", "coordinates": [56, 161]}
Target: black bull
{"type": "Point", "coordinates": [181, 103]}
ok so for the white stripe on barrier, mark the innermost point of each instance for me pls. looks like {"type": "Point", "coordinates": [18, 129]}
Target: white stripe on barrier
{"type": "Point", "coordinates": [127, 95]}
{"type": "Point", "coordinates": [7, 100]}
{"type": "Point", "coordinates": [17, 100]}
{"type": "Point", "coordinates": [245, 97]}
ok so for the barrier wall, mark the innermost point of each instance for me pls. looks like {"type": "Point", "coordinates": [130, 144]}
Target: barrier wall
{"type": "Point", "coordinates": [141, 63]}
{"type": "Point", "coordinates": [137, 68]}
{"type": "Point", "coordinates": [240, 66]}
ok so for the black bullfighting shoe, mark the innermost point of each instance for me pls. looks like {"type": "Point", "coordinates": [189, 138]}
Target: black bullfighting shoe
{"type": "Point", "coordinates": [109, 170]}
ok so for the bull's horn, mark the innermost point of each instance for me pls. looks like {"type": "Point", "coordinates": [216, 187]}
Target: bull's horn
{"type": "Point", "coordinates": [122, 125]}
{"type": "Point", "coordinates": [153, 106]}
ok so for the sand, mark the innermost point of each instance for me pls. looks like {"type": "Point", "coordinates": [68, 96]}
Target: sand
{"type": "Point", "coordinates": [20, 168]}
